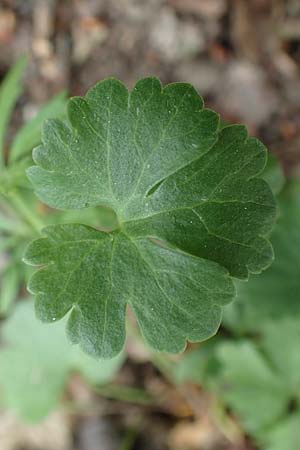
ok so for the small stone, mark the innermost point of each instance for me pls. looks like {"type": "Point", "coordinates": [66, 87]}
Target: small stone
{"type": "Point", "coordinates": [175, 39]}
{"type": "Point", "coordinates": [246, 94]}
{"type": "Point", "coordinates": [87, 33]}
{"type": "Point", "coordinates": [205, 75]}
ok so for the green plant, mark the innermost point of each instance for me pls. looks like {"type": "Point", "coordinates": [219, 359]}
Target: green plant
{"type": "Point", "coordinates": [36, 362]}
{"type": "Point", "coordinates": [19, 219]}
{"type": "Point", "coordinates": [191, 212]}
{"type": "Point", "coordinates": [154, 204]}
{"type": "Point", "coordinates": [256, 371]}
{"type": "Point", "coordinates": [275, 294]}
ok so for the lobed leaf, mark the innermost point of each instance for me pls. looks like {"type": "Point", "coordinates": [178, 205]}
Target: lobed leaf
{"type": "Point", "coordinates": [248, 384]}
{"type": "Point", "coordinates": [175, 296]}
{"type": "Point", "coordinates": [273, 174]}
{"type": "Point", "coordinates": [191, 212]}
{"type": "Point", "coordinates": [257, 379]}
{"type": "Point", "coordinates": [275, 293]}
{"type": "Point", "coordinates": [281, 342]}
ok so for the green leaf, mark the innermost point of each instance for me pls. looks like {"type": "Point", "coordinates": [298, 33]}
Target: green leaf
{"type": "Point", "coordinates": [276, 293]}
{"type": "Point", "coordinates": [8, 242]}
{"type": "Point", "coordinates": [10, 225]}
{"type": "Point", "coordinates": [14, 176]}
{"type": "Point", "coordinates": [284, 436]}
{"type": "Point", "coordinates": [250, 386]}
{"type": "Point", "coordinates": [9, 287]}
{"type": "Point", "coordinates": [36, 361]}
{"type": "Point", "coordinates": [273, 174]}
{"type": "Point", "coordinates": [190, 209]}
{"type": "Point", "coordinates": [199, 366]}
{"type": "Point", "coordinates": [175, 296]}
{"type": "Point", "coordinates": [281, 342]}
{"type": "Point", "coordinates": [30, 135]}
{"type": "Point", "coordinates": [258, 380]}
{"type": "Point", "coordinates": [10, 91]}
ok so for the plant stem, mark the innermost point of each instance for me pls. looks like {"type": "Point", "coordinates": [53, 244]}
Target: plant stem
{"type": "Point", "coordinates": [8, 243]}
{"type": "Point", "coordinates": [160, 360]}
{"type": "Point", "coordinates": [26, 213]}
{"type": "Point", "coordinates": [131, 436]}
{"type": "Point", "coordinates": [11, 226]}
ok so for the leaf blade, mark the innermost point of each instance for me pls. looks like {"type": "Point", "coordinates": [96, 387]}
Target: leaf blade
{"type": "Point", "coordinates": [157, 157]}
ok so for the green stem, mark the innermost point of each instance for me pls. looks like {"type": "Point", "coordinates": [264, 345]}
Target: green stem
{"type": "Point", "coordinates": [11, 226]}
{"type": "Point", "coordinates": [26, 213]}
{"type": "Point", "coordinates": [160, 360]}
{"type": "Point", "coordinates": [8, 243]}
{"type": "Point", "coordinates": [164, 364]}
{"type": "Point", "coordinates": [131, 436]}
{"type": "Point", "coordinates": [124, 394]}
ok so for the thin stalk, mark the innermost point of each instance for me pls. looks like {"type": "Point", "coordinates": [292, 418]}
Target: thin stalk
{"type": "Point", "coordinates": [164, 364]}
{"type": "Point", "coordinates": [131, 436]}
{"type": "Point", "coordinates": [8, 243]}
{"type": "Point", "coordinates": [124, 394]}
{"type": "Point", "coordinates": [26, 213]}
{"type": "Point", "coordinates": [160, 360]}
{"type": "Point", "coordinates": [11, 226]}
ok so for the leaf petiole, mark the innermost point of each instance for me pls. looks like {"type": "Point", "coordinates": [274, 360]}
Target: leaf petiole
{"type": "Point", "coordinates": [26, 213]}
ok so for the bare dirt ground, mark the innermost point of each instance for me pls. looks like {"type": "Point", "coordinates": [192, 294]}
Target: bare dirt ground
{"type": "Point", "coordinates": [244, 58]}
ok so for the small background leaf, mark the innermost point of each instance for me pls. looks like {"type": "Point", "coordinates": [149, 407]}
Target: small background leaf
{"type": "Point", "coordinates": [36, 361]}
{"type": "Point", "coordinates": [275, 293]}
{"type": "Point", "coordinates": [285, 436]}
{"type": "Point", "coordinates": [30, 135]}
{"type": "Point", "coordinates": [249, 385]}
{"type": "Point", "coordinates": [273, 174]}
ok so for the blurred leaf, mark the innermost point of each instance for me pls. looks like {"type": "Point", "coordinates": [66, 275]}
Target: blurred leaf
{"type": "Point", "coordinates": [36, 361]}
{"type": "Point", "coordinates": [30, 135]}
{"type": "Point", "coordinates": [14, 176]}
{"type": "Point", "coordinates": [10, 90]}
{"type": "Point", "coordinates": [285, 436]}
{"type": "Point", "coordinates": [250, 386]}
{"type": "Point", "coordinates": [198, 366]}
{"type": "Point", "coordinates": [281, 342]}
{"type": "Point", "coordinates": [257, 381]}
{"type": "Point", "coordinates": [14, 276]}
{"type": "Point", "coordinates": [273, 174]}
{"type": "Point", "coordinates": [9, 287]}
{"type": "Point", "coordinates": [8, 242]}
{"type": "Point", "coordinates": [10, 225]}
{"type": "Point", "coordinates": [276, 292]}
